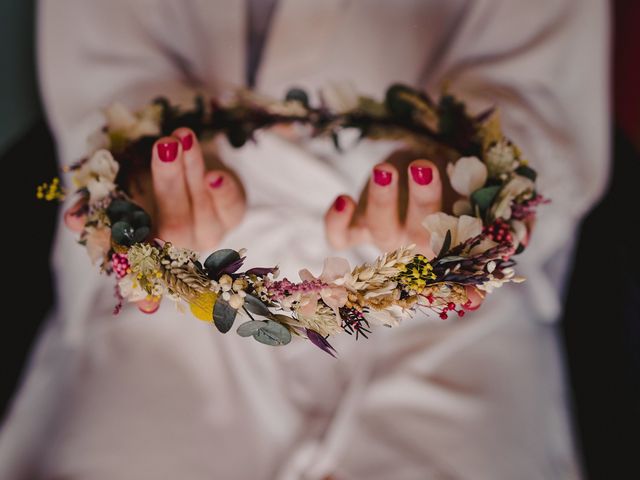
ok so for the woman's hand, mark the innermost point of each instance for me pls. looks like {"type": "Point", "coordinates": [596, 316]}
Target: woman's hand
{"type": "Point", "coordinates": [378, 219]}
{"type": "Point", "coordinates": [190, 206]}
{"type": "Point", "coordinates": [391, 211]}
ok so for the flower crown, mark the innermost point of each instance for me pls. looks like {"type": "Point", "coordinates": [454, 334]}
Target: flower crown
{"type": "Point", "coordinates": [491, 220]}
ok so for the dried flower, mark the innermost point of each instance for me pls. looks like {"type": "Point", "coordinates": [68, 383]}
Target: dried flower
{"type": "Point", "coordinates": [461, 228]}
{"type": "Point", "coordinates": [501, 158]}
{"type": "Point", "coordinates": [467, 175]}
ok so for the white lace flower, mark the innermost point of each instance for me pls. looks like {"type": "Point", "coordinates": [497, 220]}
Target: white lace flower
{"type": "Point", "coordinates": [467, 175]}
{"type": "Point", "coordinates": [461, 228]}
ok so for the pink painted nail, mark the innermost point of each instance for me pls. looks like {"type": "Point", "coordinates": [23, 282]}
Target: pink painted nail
{"type": "Point", "coordinates": [187, 142]}
{"type": "Point", "coordinates": [217, 182]}
{"type": "Point", "coordinates": [340, 203]}
{"type": "Point", "coordinates": [168, 151]}
{"type": "Point", "coordinates": [382, 177]}
{"type": "Point", "coordinates": [422, 175]}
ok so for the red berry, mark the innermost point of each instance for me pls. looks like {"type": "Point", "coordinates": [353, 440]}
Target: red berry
{"type": "Point", "coordinates": [461, 313]}
{"type": "Point", "coordinates": [443, 316]}
{"type": "Point", "coordinates": [451, 306]}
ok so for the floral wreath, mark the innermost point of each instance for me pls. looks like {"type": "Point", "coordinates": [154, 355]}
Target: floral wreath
{"type": "Point", "coordinates": [491, 222]}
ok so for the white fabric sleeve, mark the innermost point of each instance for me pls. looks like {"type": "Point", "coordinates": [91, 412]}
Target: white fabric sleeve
{"type": "Point", "coordinates": [545, 65]}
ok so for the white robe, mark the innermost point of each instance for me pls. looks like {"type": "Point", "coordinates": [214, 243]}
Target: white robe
{"type": "Point", "coordinates": [166, 396]}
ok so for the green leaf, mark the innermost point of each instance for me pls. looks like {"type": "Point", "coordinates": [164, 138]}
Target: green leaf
{"type": "Point", "coordinates": [140, 234]}
{"type": "Point", "coordinates": [297, 95]}
{"type": "Point", "coordinates": [140, 218]}
{"type": "Point", "coordinates": [273, 334]}
{"type": "Point", "coordinates": [394, 102]}
{"type": "Point", "coordinates": [224, 315]}
{"type": "Point", "coordinates": [118, 208]}
{"type": "Point", "coordinates": [446, 245]}
{"type": "Point", "coordinates": [250, 328]}
{"type": "Point", "coordinates": [484, 197]}
{"type": "Point", "coordinates": [122, 233]}
{"type": "Point", "coordinates": [255, 305]}
{"type": "Point", "coordinates": [220, 259]}
{"type": "Point", "coordinates": [528, 172]}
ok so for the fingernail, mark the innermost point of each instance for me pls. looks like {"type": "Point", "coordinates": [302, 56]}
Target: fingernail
{"type": "Point", "coordinates": [422, 175]}
{"type": "Point", "coordinates": [217, 182]}
{"type": "Point", "coordinates": [168, 151]}
{"type": "Point", "coordinates": [340, 203]}
{"type": "Point", "coordinates": [381, 177]}
{"type": "Point", "coordinates": [187, 142]}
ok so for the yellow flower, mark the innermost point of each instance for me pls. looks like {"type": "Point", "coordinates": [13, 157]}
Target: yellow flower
{"type": "Point", "coordinates": [202, 306]}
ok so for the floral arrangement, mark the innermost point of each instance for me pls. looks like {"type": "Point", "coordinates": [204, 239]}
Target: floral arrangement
{"type": "Point", "coordinates": [491, 219]}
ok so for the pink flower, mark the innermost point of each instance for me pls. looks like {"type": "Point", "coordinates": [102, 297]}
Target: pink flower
{"type": "Point", "coordinates": [334, 293]}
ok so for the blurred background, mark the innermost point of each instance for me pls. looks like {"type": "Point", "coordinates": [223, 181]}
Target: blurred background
{"type": "Point", "coordinates": [601, 322]}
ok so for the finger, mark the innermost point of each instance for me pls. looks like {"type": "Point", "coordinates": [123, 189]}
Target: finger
{"type": "Point", "coordinates": [227, 196]}
{"type": "Point", "coordinates": [337, 221]}
{"type": "Point", "coordinates": [207, 224]}
{"type": "Point", "coordinates": [76, 216]}
{"type": "Point", "coordinates": [170, 189]}
{"type": "Point", "coordinates": [425, 197]}
{"type": "Point", "coordinates": [382, 206]}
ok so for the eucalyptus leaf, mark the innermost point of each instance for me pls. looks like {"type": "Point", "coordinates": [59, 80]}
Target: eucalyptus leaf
{"type": "Point", "coordinates": [255, 305]}
{"type": "Point", "coordinates": [220, 259]}
{"type": "Point", "coordinates": [122, 233]}
{"type": "Point", "coordinates": [118, 208]}
{"type": "Point", "coordinates": [140, 218]}
{"type": "Point", "coordinates": [224, 315]}
{"type": "Point", "coordinates": [140, 234]}
{"type": "Point", "coordinates": [273, 333]}
{"type": "Point", "coordinates": [250, 328]}
{"type": "Point", "coordinates": [484, 197]}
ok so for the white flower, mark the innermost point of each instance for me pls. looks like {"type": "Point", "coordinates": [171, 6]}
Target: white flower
{"type": "Point", "coordinates": [130, 289]}
{"type": "Point", "coordinates": [97, 175]}
{"type": "Point", "coordinates": [133, 125]}
{"type": "Point", "coordinates": [340, 97]}
{"type": "Point", "coordinates": [467, 175]}
{"type": "Point", "coordinates": [100, 165]}
{"type": "Point", "coordinates": [99, 189]}
{"type": "Point", "coordinates": [461, 228]}
{"type": "Point", "coordinates": [390, 316]}
{"type": "Point", "coordinates": [516, 187]}
{"type": "Point", "coordinates": [501, 158]}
